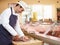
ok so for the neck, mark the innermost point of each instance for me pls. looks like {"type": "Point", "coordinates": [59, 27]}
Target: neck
{"type": "Point", "coordinates": [15, 9]}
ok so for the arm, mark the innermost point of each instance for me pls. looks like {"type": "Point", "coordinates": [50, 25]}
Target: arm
{"type": "Point", "coordinates": [18, 29]}
{"type": "Point", "coordinates": [5, 22]}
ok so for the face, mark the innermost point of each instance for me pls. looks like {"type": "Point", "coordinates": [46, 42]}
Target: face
{"type": "Point", "coordinates": [19, 9]}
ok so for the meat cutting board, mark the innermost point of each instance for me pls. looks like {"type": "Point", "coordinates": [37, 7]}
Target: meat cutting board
{"type": "Point", "coordinates": [31, 42]}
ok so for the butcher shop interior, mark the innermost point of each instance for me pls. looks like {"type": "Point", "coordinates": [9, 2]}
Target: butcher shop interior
{"type": "Point", "coordinates": [30, 22]}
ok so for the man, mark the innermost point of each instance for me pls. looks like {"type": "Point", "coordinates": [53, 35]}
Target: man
{"type": "Point", "coordinates": [9, 25]}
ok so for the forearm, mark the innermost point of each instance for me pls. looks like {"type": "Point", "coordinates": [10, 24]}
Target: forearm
{"type": "Point", "coordinates": [10, 29]}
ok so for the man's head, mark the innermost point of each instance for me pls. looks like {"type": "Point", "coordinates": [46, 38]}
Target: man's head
{"type": "Point", "coordinates": [21, 6]}
{"type": "Point", "coordinates": [18, 8]}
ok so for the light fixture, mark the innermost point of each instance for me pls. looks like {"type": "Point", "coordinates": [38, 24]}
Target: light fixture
{"type": "Point", "coordinates": [38, 1]}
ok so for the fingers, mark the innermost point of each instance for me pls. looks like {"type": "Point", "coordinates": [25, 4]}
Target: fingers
{"type": "Point", "coordinates": [24, 39]}
{"type": "Point", "coordinates": [16, 38]}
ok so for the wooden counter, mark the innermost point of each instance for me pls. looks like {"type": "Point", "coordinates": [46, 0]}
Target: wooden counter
{"type": "Point", "coordinates": [46, 38]}
{"type": "Point", "coordinates": [31, 42]}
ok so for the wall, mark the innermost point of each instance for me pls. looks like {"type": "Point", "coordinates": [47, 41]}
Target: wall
{"type": "Point", "coordinates": [4, 4]}
{"type": "Point", "coordinates": [55, 4]}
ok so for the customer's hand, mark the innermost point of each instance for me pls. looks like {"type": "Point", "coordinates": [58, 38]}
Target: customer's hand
{"type": "Point", "coordinates": [24, 38]}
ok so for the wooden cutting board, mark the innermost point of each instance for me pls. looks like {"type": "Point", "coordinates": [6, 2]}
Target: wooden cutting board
{"type": "Point", "coordinates": [31, 42]}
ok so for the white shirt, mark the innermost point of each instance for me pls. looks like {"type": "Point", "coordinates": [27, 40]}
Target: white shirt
{"type": "Point", "coordinates": [4, 20]}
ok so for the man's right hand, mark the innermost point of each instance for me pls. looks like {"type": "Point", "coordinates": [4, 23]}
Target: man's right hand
{"type": "Point", "coordinates": [23, 38]}
{"type": "Point", "coordinates": [16, 38]}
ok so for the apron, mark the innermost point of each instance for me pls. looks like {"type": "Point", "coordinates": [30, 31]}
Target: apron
{"type": "Point", "coordinates": [5, 36]}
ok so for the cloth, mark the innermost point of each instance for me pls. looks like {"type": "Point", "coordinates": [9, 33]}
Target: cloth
{"type": "Point", "coordinates": [4, 20]}
{"type": "Point", "coordinates": [5, 35]}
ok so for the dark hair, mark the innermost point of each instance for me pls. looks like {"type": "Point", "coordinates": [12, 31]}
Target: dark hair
{"type": "Point", "coordinates": [19, 5]}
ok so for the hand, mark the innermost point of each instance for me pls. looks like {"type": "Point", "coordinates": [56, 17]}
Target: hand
{"type": "Point", "coordinates": [24, 38]}
{"type": "Point", "coordinates": [16, 38]}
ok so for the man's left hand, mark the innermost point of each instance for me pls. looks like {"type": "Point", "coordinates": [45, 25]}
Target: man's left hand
{"type": "Point", "coordinates": [24, 38]}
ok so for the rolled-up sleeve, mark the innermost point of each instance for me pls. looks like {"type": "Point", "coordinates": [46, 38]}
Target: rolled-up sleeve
{"type": "Point", "coordinates": [18, 29]}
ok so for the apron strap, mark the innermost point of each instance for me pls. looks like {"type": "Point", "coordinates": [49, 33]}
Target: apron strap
{"type": "Point", "coordinates": [11, 10]}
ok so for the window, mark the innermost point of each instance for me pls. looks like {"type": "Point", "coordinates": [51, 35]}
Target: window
{"type": "Point", "coordinates": [43, 11]}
